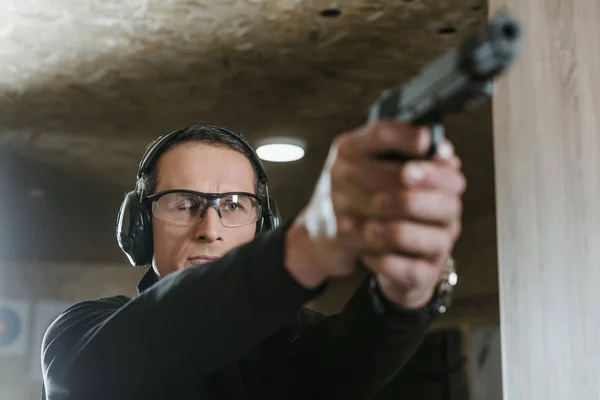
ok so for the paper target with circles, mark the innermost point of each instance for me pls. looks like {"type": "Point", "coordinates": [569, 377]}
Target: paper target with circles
{"type": "Point", "coordinates": [14, 327]}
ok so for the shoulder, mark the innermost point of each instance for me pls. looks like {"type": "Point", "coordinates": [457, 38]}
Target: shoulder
{"type": "Point", "coordinates": [82, 315]}
{"type": "Point", "coordinates": [85, 308]}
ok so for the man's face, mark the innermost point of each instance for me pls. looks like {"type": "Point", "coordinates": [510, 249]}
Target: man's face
{"type": "Point", "coordinates": [204, 168]}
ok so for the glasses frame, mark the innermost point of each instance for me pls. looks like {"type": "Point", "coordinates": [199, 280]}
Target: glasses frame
{"type": "Point", "coordinates": [212, 201]}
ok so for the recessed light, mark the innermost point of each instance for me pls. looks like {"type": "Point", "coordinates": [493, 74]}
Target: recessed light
{"type": "Point", "coordinates": [280, 149]}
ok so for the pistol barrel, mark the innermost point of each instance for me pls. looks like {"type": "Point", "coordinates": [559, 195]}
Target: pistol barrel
{"type": "Point", "coordinates": [457, 80]}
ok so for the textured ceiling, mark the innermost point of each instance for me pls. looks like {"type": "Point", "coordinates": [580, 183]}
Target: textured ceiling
{"type": "Point", "coordinates": [93, 81]}
{"type": "Point", "coordinates": [85, 85]}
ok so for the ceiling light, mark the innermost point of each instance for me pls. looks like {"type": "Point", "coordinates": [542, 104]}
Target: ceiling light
{"type": "Point", "coordinates": [280, 149]}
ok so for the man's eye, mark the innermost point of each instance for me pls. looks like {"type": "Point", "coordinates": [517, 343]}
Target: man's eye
{"type": "Point", "coordinates": [187, 205]}
{"type": "Point", "coordinates": [233, 206]}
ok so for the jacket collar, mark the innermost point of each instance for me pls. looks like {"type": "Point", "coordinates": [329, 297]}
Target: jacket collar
{"type": "Point", "coordinates": [147, 280]}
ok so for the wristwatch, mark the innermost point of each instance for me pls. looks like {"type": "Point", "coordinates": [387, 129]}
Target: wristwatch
{"type": "Point", "coordinates": [443, 296]}
{"type": "Point", "coordinates": [440, 301]}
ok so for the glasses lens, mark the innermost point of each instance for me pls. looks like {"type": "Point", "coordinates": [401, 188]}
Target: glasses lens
{"type": "Point", "coordinates": [181, 208]}
{"type": "Point", "coordinates": [239, 209]}
{"type": "Point", "coordinates": [187, 208]}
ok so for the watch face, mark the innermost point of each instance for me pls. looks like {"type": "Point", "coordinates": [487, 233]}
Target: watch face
{"type": "Point", "coordinates": [452, 278]}
{"type": "Point", "coordinates": [443, 297]}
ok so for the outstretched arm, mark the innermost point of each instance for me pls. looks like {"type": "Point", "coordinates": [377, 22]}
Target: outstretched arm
{"type": "Point", "coordinates": [189, 323]}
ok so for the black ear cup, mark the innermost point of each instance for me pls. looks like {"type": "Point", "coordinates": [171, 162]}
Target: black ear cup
{"type": "Point", "coordinates": [134, 231]}
{"type": "Point", "coordinates": [270, 218]}
{"type": "Point", "coordinates": [272, 214]}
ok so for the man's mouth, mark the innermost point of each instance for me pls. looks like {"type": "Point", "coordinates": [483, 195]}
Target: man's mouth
{"type": "Point", "coordinates": [195, 260]}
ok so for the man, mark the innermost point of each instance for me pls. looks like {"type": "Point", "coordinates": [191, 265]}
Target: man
{"type": "Point", "coordinates": [219, 314]}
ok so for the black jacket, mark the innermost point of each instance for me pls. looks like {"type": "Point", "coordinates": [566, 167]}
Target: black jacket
{"type": "Point", "coordinates": [235, 330]}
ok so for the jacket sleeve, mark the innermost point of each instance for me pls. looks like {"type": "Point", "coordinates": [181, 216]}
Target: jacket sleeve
{"type": "Point", "coordinates": [354, 354]}
{"type": "Point", "coordinates": [193, 321]}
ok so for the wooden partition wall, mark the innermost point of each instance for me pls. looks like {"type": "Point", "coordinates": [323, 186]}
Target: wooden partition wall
{"type": "Point", "coordinates": [547, 162]}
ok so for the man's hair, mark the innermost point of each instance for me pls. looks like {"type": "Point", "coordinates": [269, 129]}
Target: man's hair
{"type": "Point", "coordinates": [146, 185]}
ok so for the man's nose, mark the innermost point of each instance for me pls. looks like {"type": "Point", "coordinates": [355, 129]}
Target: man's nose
{"type": "Point", "coordinates": [209, 228]}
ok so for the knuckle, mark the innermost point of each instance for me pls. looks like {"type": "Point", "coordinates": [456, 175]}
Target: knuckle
{"type": "Point", "coordinates": [414, 138]}
{"type": "Point", "coordinates": [462, 183]}
{"type": "Point", "coordinates": [456, 229]}
{"type": "Point", "coordinates": [400, 231]}
{"type": "Point", "coordinates": [382, 126]}
{"type": "Point", "coordinates": [341, 143]}
{"type": "Point", "coordinates": [450, 204]}
{"type": "Point", "coordinates": [458, 207]}
{"type": "Point", "coordinates": [446, 240]}
{"type": "Point", "coordinates": [384, 132]}
{"type": "Point", "coordinates": [456, 181]}
{"type": "Point", "coordinates": [457, 162]}
{"type": "Point", "coordinates": [406, 202]}
{"type": "Point", "coordinates": [447, 207]}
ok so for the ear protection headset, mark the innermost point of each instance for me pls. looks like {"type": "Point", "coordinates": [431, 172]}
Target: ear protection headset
{"type": "Point", "coordinates": [134, 221]}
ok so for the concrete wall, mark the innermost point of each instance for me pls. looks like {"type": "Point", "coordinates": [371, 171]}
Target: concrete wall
{"type": "Point", "coordinates": [35, 293]}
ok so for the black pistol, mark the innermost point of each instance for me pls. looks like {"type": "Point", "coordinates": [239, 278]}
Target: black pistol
{"type": "Point", "coordinates": [458, 80]}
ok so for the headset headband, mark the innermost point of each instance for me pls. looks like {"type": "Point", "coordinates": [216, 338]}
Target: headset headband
{"type": "Point", "coordinates": [156, 149]}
